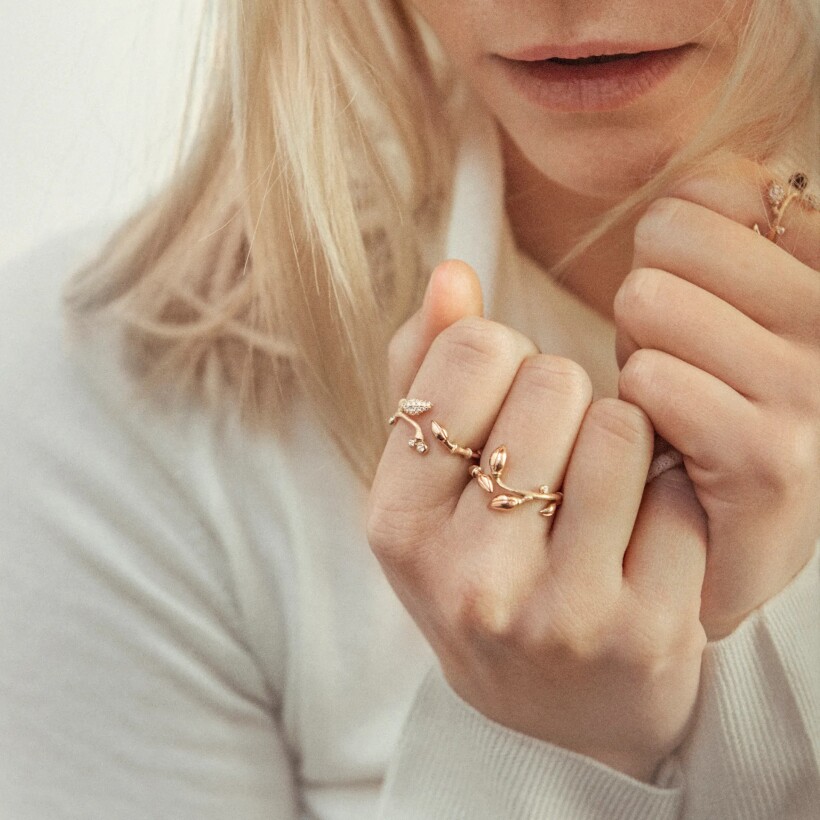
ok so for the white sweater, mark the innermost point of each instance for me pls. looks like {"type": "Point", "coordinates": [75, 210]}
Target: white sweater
{"type": "Point", "coordinates": [192, 624]}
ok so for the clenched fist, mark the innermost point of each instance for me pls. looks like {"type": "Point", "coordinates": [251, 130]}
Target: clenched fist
{"type": "Point", "coordinates": [581, 630]}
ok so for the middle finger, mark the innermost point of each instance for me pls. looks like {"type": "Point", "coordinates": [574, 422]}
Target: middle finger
{"type": "Point", "coordinates": [537, 425]}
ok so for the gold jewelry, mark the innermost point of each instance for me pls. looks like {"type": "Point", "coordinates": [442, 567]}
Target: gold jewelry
{"type": "Point", "coordinates": [498, 461]}
{"type": "Point", "coordinates": [780, 199]}
{"type": "Point", "coordinates": [412, 407]}
{"type": "Point", "coordinates": [441, 434]}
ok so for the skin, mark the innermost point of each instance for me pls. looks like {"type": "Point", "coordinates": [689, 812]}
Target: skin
{"type": "Point", "coordinates": [543, 626]}
{"type": "Point", "coordinates": [565, 169]}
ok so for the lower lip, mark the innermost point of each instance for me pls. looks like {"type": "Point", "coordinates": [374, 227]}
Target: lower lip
{"type": "Point", "coordinates": [593, 86]}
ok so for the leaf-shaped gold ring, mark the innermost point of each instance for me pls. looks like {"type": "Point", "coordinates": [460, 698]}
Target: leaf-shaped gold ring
{"type": "Point", "coordinates": [441, 434]}
{"type": "Point", "coordinates": [497, 460]}
{"type": "Point", "coordinates": [412, 407]}
{"type": "Point", "coordinates": [513, 498]}
{"type": "Point", "coordinates": [484, 481]}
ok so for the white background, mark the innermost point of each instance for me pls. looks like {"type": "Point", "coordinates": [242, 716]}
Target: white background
{"type": "Point", "coordinates": [91, 100]}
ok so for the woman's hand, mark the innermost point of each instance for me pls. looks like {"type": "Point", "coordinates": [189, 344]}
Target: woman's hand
{"type": "Point", "coordinates": [719, 341]}
{"type": "Point", "coordinates": [586, 634]}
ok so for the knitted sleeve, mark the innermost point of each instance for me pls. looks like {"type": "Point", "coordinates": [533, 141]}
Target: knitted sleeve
{"type": "Point", "coordinates": [127, 686]}
{"type": "Point", "coordinates": [753, 752]}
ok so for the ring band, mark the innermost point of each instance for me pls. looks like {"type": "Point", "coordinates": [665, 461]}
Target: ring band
{"type": "Point", "coordinates": [780, 199]}
{"type": "Point", "coordinates": [441, 434]}
{"type": "Point", "coordinates": [406, 409]}
{"type": "Point", "coordinates": [514, 498]}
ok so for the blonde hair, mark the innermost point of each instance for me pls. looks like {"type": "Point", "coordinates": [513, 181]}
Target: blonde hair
{"type": "Point", "coordinates": [287, 246]}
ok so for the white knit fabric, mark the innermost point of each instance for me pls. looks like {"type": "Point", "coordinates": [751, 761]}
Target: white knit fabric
{"type": "Point", "coordinates": [192, 624]}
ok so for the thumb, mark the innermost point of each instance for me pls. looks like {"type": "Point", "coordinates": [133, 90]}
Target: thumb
{"type": "Point", "coordinates": [453, 292]}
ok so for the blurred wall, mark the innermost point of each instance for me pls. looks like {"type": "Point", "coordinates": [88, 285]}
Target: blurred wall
{"type": "Point", "coordinates": [91, 98]}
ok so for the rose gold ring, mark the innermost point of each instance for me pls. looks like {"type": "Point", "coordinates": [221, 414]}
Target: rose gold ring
{"type": "Point", "coordinates": [513, 498]}
{"type": "Point", "coordinates": [780, 198]}
{"type": "Point", "coordinates": [441, 434]}
{"type": "Point", "coordinates": [406, 409]}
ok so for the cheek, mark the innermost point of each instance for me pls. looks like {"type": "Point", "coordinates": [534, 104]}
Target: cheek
{"type": "Point", "coordinates": [454, 24]}
{"type": "Point", "coordinates": [468, 32]}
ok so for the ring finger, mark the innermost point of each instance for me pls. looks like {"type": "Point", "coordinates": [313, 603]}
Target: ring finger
{"type": "Point", "coordinates": [537, 426]}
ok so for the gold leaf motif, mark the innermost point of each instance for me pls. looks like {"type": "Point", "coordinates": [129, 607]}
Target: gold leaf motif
{"type": "Point", "coordinates": [505, 502]}
{"type": "Point", "coordinates": [484, 482]}
{"type": "Point", "coordinates": [498, 459]}
{"type": "Point", "coordinates": [438, 431]}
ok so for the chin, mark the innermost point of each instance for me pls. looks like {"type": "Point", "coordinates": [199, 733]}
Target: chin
{"type": "Point", "coordinates": [599, 177]}
{"type": "Point", "coordinates": [600, 164]}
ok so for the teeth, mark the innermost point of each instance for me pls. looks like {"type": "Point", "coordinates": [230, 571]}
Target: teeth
{"type": "Point", "coordinates": [603, 58]}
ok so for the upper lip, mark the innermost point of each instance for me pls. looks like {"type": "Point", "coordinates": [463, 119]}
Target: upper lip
{"type": "Point", "coordinates": [593, 48]}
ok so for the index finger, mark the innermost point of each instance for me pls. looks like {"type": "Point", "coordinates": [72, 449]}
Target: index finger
{"type": "Point", "coordinates": [728, 259]}
{"type": "Point", "coordinates": [465, 376]}
{"type": "Point", "coordinates": [743, 191]}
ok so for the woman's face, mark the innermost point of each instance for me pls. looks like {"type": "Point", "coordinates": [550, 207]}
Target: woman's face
{"type": "Point", "coordinates": [597, 127]}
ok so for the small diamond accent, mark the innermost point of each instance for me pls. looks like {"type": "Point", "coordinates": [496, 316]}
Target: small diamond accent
{"type": "Point", "coordinates": [415, 407]}
{"type": "Point", "coordinates": [776, 194]}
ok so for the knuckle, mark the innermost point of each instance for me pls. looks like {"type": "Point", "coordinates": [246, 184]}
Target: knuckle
{"type": "Point", "coordinates": [568, 625]}
{"type": "Point", "coordinates": [638, 375]}
{"type": "Point", "coordinates": [789, 459]}
{"type": "Point", "coordinates": [654, 632]}
{"type": "Point", "coordinates": [620, 420]}
{"type": "Point", "coordinates": [499, 618]}
{"type": "Point", "coordinates": [555, 374]}
{"type": "Point", "coordinates": [474, 343]}
{"type": "Point", "coordinates": [383, 531]}
{"type": "Point", "coordinates": [660, 637]}
{"type": "Point", "coordinates": [656, 219]}
{"type": "Point", "coordinates": [391, 530]}
{"type": "Point", "coordinates": [639, 293]}
{"type": "Point", "coordinates": [802, 452]}
{"type": "Point", "coordinates": [579, 639]}
{"type": "Point", "coordinates": [490, 617]}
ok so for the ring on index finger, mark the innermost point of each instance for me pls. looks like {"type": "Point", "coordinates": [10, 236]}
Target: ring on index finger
{"type": "Point", "coordinates": [415, 407]}
{"type": "Point", "coordinates": [406, 409]}
{"type": "Point", "coordinates": [781, 197]}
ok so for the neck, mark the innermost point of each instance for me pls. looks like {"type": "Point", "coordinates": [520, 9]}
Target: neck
{"type": "Point", "coordinates": [548, 219]}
